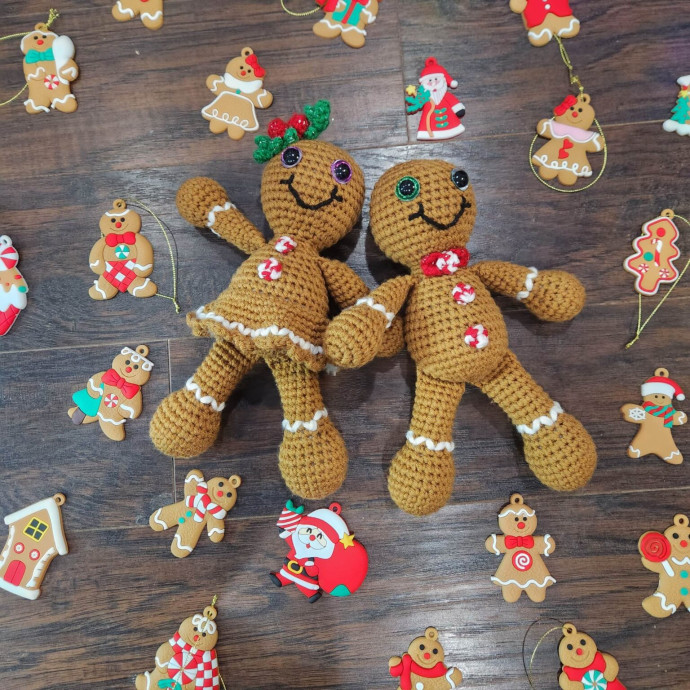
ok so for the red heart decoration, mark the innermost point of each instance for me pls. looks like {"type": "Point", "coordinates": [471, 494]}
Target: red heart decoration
{"type": "Point", "coordinates": [567, 144]}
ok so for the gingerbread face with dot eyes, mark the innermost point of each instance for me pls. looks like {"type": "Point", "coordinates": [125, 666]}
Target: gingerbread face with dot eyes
{"type": "Point", "coordinates": [224, 491]}
{"type": "Point", "coordinates": [576, 649]}
{"type": "Point", "coordinates": [678, 536]}
{"type": "Point", "coordinates": [120, 219]}
{"type": "Point", "coordinates": [518, 520]}
{"type": "Point", "coordinates": [200, 631]}
{"type": "Point", "coordinates": [426, 650]}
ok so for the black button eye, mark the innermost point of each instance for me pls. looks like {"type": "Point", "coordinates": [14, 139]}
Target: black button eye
{"type": "Point", "coordinates": [675, 535]}
{"type": "Point", "coordinates": [127, 362]}
{"type": "Point", "coordinates": [407, 189]}
{"type": "Point", "coordinates": [434, 651]}
{"type": "Point", "coordinates": [570, 647]}
{"type": "Point", "coordinates": [460, 179]}
{"type": "Point", "coordinates": [220, 483]}
{"type": "Point", "coordinates": [136, 366]}
{"type": "Point", "coordinates": [229, 494]}
{"type": "Point", "coordinates": [195, 630]}
{"type": "Point", "coordinates": [203, 634]}
{"type": "Point", "coordinates": [583, 642]}
{"type": "Point", "coordinates": [517, 519]}
{"type": "Point", "coordinates": [122, 220]}
{"type": "Point", "coordinates": [291, 156]}
{"type": "Point", "coordinates": [112, 220]}
{"type": "Point", "coordinates": [341, 171]}
{"type": "Point", "coordinates": [421, 646]}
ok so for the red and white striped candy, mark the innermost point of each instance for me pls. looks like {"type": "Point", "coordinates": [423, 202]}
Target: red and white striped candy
{"type": "Point", "coordinates": [522, 561]}
{"type": "Point", "coordinates": [183, 668]}
{"type": "Point", "coordinates": [51, 82]}
{"type": "Point", "coordinates": [111, 400]}
{"type": "Point", "coordinates": [448, 262]}
{"type": "Point", "coordinates": [271, 269]}
{"type": "Point", "coordinates": [463, 293]}
{"type": "Point", "coordinates": [477, 336]}
{"type": "Point", "coordinates": [285, 244]}
{"type": "Point", "coordinates": [9, 256]}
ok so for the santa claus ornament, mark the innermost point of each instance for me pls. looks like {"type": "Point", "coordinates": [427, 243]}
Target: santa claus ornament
{"type": "Point", "coordinates": [442, 112]}
{"type": "Point", "coordinates": [323, 554]}
{"type": "Point", "coordinates": [13, 287]}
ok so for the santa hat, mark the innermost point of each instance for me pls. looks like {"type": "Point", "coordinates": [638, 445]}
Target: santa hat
{"type": "Point", "coordinates": [432, 67]}
{"type": "Point", "coordinates": [328, 520]}
{"type": "Point", "coordinates": [664, 386]}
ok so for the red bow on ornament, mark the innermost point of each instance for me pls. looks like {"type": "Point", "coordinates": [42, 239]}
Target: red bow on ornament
{"type": "Point", "coordinates": [253, 61]}
{"type": "Point", "coordinates": [567, 102]}
{"type": "Point", "coordinates": [524, 542]}
{"type": "Point", "coordinates": [113, 378]}
{"type": "Point", "coordinates": [113, 239]}
{"type": "Point", "coordinates": [444, 263]}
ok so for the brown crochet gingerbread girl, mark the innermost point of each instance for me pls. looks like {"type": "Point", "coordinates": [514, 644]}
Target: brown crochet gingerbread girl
{"type": "Point", "coordinates": [422, 214]}
{"type": "Point", "coordinates": [276, 306]}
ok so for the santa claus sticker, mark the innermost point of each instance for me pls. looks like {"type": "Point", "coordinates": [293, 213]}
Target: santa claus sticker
{"type": "Point", "coordinates": [323, 555]}
{"type": "Point", "coordinates": [441, 111]}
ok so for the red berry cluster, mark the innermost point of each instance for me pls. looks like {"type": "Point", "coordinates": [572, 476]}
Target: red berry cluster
{"type": "Point", "coordinates": [278, 127]}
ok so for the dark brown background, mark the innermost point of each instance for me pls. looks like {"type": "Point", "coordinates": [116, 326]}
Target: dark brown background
{"type": "Point", "coordinates": [138, 133]}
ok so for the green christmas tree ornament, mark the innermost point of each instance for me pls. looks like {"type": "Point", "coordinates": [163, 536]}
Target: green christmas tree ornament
{"type": "Point", "coordinates": [679, 121]}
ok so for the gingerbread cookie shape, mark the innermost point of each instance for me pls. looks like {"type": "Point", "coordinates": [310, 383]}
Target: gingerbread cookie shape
{"type": "Point", "coordinates": [49, 69]}
{"type": "Point", "coordinates": [668, 554]}
{"type": "Point", "coordinates": [151, 12]}
{"type": "Point", "coordinates": [679, 122]}
{"type": "Point", "coordinates": [545, 19]}
{"type": "Point", "coordinates": [205, 504]}
{"type": "Point", "coordinates": [188, 661]}
{"type": "Point", "coordinates": [122, 258]}
{"type": "Point", "coordinates": [238, 93]}
{"type": "Point", "coordinates": [323, 555]}
{"type": "Point", "coordinates": [570, 140]}
{"type": "Point", "coordinates": [36, 537]}
{"type": "Point", "coordinates": [442, 112]}
{"type": "Point", "coordinates": [114, 396]}
{"type": "Point", "coordinates": [656, 418]}
{"type": "Point", "coordinates": [522, 568]}
{"type": "Point", "coordinates": [584, 667]}
{"type": "Point", "coordinates": [347, 18]}
{"type": "Point", "coordinates": [13, 287]}
{"type": "Point", "coordinates": [423, 667]}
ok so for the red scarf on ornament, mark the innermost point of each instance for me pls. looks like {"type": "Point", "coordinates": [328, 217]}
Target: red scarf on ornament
{"type": "Point", "coordinates": [113, 378]}
{"type": "Point", "coordinates": [444, 263]}
{"type": "Point", "coordinates": [408, 666]}
{"type": "Point", "coordinates": [202, 503]}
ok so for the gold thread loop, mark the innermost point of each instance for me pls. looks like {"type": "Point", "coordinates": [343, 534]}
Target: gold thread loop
{"type": "Point", "coordinates": [298, 14]}
{"type": "Point", "coordinates": [528, 671]}
{"type": "Point", "coordinates": [574, 79]}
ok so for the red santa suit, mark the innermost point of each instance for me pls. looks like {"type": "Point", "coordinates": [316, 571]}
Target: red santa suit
{"type": "Point", "coordinates": [442, 112]}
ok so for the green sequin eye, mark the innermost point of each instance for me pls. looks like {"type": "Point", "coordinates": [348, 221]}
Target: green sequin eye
{"type": "Point", "coordinates": [407, 189]}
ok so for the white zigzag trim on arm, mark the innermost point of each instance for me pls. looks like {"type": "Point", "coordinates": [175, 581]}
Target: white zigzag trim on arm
{"type": "Point", "coordinates": [529, 284]}
{"type": "Point", "coordinates": [94, 389]}
{"type": "Point", "coordinates": [548, 579]}
{"type": "Point", "coordinates": [259, 332]}
{"type": "Point", "coordinates": [192, 477]}
{"type": "Point", "coordinates": [539, 422]}
{"type": "Point", "coordinates": [203, 399]}
{"type": "Point", "coordinates": [311, 425]}
{"type": "Point", "coordinates": [128, 409]}
{"type": "Point", "coordinates": [667, 607]}
{"type": "Point", "coordinates": [549, 545]}
{"type": "Point", "coordinates": [494, 545]}
{"type": "Point", "coordinates": [419, 440]}
{"type": "Point", "coordinates": [124, 10]}
{"type": "Point", "coordinates": [369, 301]}
{"type": "Point", "coordinates": [152, 17]}
{"type": "Point", "coordinates": [216, 530]}
{"type": "Point", "coordinates": [158, 521]}
{"type": "Point", "coordinates": [635, 451]}
{"type": "Point", "coordinates": [227, 206]}
{"type": "Point", "coordinates": [110, 421]}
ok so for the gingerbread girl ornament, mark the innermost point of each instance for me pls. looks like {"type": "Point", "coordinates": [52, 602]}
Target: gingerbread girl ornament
{"type": "Point", "coordinates": [150, 11]}
{"type": "Point", "coordinates": [656, 418]}
{"type": "Point", "coordinates": [545, 19]}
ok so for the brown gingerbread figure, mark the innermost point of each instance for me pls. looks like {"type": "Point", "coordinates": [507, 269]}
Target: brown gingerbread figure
{"type": "Point", "coordinates": [151, 12]}
{"type": "Point", "coordinates": [522, 568]}
{"type": "Point", "coordinates": [348, 19]}
{"type": "Point", "coordinates": [122, 257]}
{"type": "Point", "coordinates": [114, 396]}
{"type": "Point", "coordinates": [205, 505]}
{"type": "Point", "coordinates": [545, 19]}
{"type": "Point", "coordinates": [656, 418]}
{"type": "Point", "coordinates": [422, 215]}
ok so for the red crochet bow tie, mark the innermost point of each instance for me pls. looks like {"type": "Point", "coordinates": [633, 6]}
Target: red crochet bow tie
{"type": "Point", "coordinates": [524, 542]}
{"type": "Point", "coordinates": [444, 263]}
{"type": "Point", "coordinates": [113, 239]}
{"type": "Point", "coordinates": [113, 378]}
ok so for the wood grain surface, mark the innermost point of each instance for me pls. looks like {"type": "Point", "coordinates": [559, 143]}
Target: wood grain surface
{"type": "Point", "coordinates": [138, 133]}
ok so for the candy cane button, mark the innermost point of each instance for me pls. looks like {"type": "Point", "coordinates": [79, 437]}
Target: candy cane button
{"type": "Point", "coordinates": [477, 337]}
{"type": "Point", "coordinates": [463, 293]}
{"type": "Point", "coordinates": [285, 244]}
{"type": "Point", "coordinates": [270, 270]}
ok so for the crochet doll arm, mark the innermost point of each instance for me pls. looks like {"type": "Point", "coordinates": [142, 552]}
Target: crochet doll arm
{"type": "Point", "coordinates": [549, 295]}
{"type": "Point", "coordinates": [344, 285]}
{"type": "Point", "coordinates": [635, 414]}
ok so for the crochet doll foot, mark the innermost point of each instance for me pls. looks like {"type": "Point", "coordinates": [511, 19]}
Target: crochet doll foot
{"type": "Point", "coordinates": [562, 455]}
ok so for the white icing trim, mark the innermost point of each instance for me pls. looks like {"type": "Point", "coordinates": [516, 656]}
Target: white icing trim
{"type": "Point", "coordinates": [119, 213]}
{"type": "Point", "coordinates": [573, 22]}
{"type": "Point", "coordinates": [180, 545]}
{"type": "Point", "coordinates": [419, 440]}
{"type": "Point", "coordinates": [147, 675]}
{"type": "Point", "coordinates": [260, 97]}
{"type": "Point", "coordinates": [131, 14]}
{"type": "Point", "coordinates": [19, 591]}
{"type": "Point", "coordinates": [544, 420]}
{"type": "Point", "coordinates": [634, 451]}
{"type": "Point", "coordinates": [158, 521]}
{"type": "Point", "coordinates": [532, 273]}
{"type": "Point", "coordinates": [216, 530]}
{"type": "Point", "coordinates": [670, 457]}
{"type": "Point", "coordinates": [259, 332]}
{"type": "Point", "coordinates": [683, 561]}
{"type": "Point", "coordinates": [548, 579]}
{"type": "Point", "coordinates": [666, 607]}
{"type": "Point", "coordinates": [142, 268]}
{"type": "Point", "coordinates": [47, 33]}
{"type": "Point", "coordinates": [203, 399]}
{"type": "Point", "coordinates": [543, 160]}
{"type": "Point", "coordinates": [667, 567]}
{"type": "Point", "coordinates": [94, 264]}
{"type": "Point", "coordinates": [94, 388]}
{"type": "Point", "coordinates": [49, 505]}
{"type": "Point", "coordinates": [110, 421]}
{"type": "Point", "coordinates": [64, 99]}
{"type": "Point", "coordinates": [99, 290]}
{"type": "Point", "coordinates": [8, 546]}
{"type": "Point", "coordinates": [150, 16]}
{"type": "Point", "coordinates": [191, 477]}
{"type": "Point", "coordinates": [228, 206]}
{"type": "Point", "coordinates": [450, 680]}
{"type": "Point", "coordinates": [549, 545]}
{"type": "Point", "coordinates": [146, 365]}
{"type": "Point", "coordinates": [36, 107]}
{"type": "Point", "coordinates": [40, 567]}
{"type": "Point", "coordinates": [494, 545]}
{"type": "Point", "coordinates": [141, 287]}
{"type": "Point", "coordinates": [536, 36]}
{"type": "Point", "coordinates": [293, 577]}
{"type": "Point", "coordinates": [512, 511]}
{"type": "Point", "coordinates": [369, 301]}
{"type": "Point", "coordinates": [311, 425]}
{"type": "Point", "coordinates": [127, 408]}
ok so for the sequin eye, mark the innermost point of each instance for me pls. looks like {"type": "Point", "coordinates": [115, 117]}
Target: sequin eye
{"type": "Point", "coordinates": [460, 179]}
{"type": "Point", "coordinates": [407, 189]}
{"type": "Point", "coordinates": [341, 171]}
{"type": "Point", "coordinates": [291, 157]}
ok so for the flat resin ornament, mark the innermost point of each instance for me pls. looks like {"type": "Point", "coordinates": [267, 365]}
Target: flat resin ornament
{"type": "Point", "coordinates": [656, 418]}
{"type": "Point", "coordinates": [150, 11]}
{"type": "Point", "coordinates": [36, 537]}
{"type": "Point", "coordinates": [238, 93]}
{"type": "Point", "coordinates": [347, 18]}
{"type": "Point", "coordinates": [323, 555]}
{"type": "Point", "coordinates": [522, 568]}
{"type": "Point", "coordinates": [13, 287]}
{"type": "Point", "coordinates": [441, 111]}
{"type": "Point", "coordinates": [205, 505]}
{"type": "Point", "coordinates": [668, 554]}
{"type": "Point", "coordinates": [188, 661]}
{"type": "Point", "coordinates": [545, 19]}
{"type": "Point", "coordinates": [114, 396]}
{"type": "Point", "coordinates": [422, 666]}
{"type": "Point", "coordinates": [679, 122]}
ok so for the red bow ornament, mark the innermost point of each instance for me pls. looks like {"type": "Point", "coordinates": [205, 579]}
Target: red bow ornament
{"type": "Point", "coordinates": [568, 101]}
{"type": "Point", "coordinates": [522, 542]}
{"type": "Point", "coordinates": [113, 378]}
{"type": "Point", "coordinates": [253, 61]}
{"type": "Point", "coordinates": [112, 239]}
{"type": "Point", "coordinates": [444, 263]}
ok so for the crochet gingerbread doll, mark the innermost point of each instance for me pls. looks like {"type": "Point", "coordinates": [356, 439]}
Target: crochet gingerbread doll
{"type": "Point", "coordinates": [422, 214]}
{"type": "Point", "coordinates": [276, 306]}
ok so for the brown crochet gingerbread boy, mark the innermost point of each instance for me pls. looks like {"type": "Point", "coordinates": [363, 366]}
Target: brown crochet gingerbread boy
{"type": "Point", "coordinates": [276, 306]}
{"type": "Point", "coordinates": [422, 214]}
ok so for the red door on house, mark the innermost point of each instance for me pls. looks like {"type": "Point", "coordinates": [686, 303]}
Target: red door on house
{"type": "Point", "coordinates": [15, 572]}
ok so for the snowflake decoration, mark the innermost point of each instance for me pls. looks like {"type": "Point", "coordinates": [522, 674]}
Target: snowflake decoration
{"type": "Point", "coordinates": [637, 413]}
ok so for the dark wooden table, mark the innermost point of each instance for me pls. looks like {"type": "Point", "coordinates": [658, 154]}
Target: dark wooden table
{"type": "Point", "coordinates": [138, 133]}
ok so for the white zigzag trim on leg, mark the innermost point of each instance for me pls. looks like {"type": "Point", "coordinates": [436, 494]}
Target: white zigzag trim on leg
{"type": "Point", "coordinates": [311, 425]}
{"type": "Point", "coordinates": [529, 284]}
{"type": "Point", "coordinates": [537, 36]}
{"type": "Point", "coordinates": [122, 10]}
{"type": "Point", "coordinates": [228, 206]}
{"type": "Point", "coordinates": [369, 301]}
{"type": "Point", "coordinates": [539, 422]}
{"type": "Point", "coordinates": [667, 607]}
{"type": "Point", "coordinates": [635, 451]}
{"type": "Point", "coordinates": [419, 440]}
{"type": "Point", "coordinates": [203, 399]}
{"type": "Point", "coordinates": [566, 29]}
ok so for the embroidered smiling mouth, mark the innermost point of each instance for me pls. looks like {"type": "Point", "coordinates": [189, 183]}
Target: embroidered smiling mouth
{"type": "Point", "coordinates": [312, 207]}
{"type": "Point", "coordinates": [434, 223]}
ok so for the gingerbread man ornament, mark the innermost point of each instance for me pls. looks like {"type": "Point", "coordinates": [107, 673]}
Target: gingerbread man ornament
{"type": "Point", "coordinates": [150, 11]}
{"type": "Point", "coordinates": [545, 19]}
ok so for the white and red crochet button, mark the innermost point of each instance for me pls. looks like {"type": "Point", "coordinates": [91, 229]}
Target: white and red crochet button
{"type": "Point", "coordinates": [183, 668]}
{"type": "Point", "coordinates": [271, 269]}
{"type": "Point", "coordinates": [285, 244]}
{"type": "Point", "coordinates": [463, 293]}
{"type": "Point", "coordinates": [9, 257]}
{"type": "Point", "coordinates": [51, 82]}
{"type": "Point", "coordinates": [111, 400]}
{"type": "Point", "coordinates": [477, 336]}
{"type": "Point", "coordinates": [448, 262]}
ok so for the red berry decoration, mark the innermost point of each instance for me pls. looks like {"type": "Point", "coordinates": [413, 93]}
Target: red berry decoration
{"type": "Point", "coordinates": [655, 547]}
{"type": "Point", "coordinates": [300, 123]}
{"type": "Point", "coordinates": [277, 128]}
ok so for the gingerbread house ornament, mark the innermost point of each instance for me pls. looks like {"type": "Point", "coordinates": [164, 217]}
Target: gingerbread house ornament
{"type": "Point", "coordinates": [35, 537]}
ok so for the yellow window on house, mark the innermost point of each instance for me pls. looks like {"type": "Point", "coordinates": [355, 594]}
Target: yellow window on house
{"type": "Point", "coordinates": [36, 529]}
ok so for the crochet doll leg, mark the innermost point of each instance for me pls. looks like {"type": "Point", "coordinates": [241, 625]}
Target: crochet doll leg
{"type": "Point", "coordinates": [187, 422]}
{"type": "Point", "coordinates": [313, 458]}
{"type": "Point", "coordinates": [421, 475]}
{"type": "Point", "coordinates": [559, 450]}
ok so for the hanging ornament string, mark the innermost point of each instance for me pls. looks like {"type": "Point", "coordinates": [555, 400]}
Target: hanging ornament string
{"type": "Point", "coordinates": [574, 81]}
{"type": "Point", "coordinates": [641, 326]}
{"type": "Point", "coordinates": [52, 16]}
{"type": "Point", "coordinates": [298, 14]}
{"type": "Point", "coordinates": [213, 603]}
{"type": "Point", "coordinates": [528, 670]}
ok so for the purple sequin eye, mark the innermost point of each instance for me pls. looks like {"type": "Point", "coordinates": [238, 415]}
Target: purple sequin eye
{"type": "Point", "coordinates": [341, 171]}
{"type": "Point", "coordinates": [291, 157]}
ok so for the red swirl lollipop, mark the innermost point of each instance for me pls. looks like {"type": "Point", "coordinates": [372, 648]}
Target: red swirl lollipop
{"type": "Point", "coordinates": [654, 546]}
